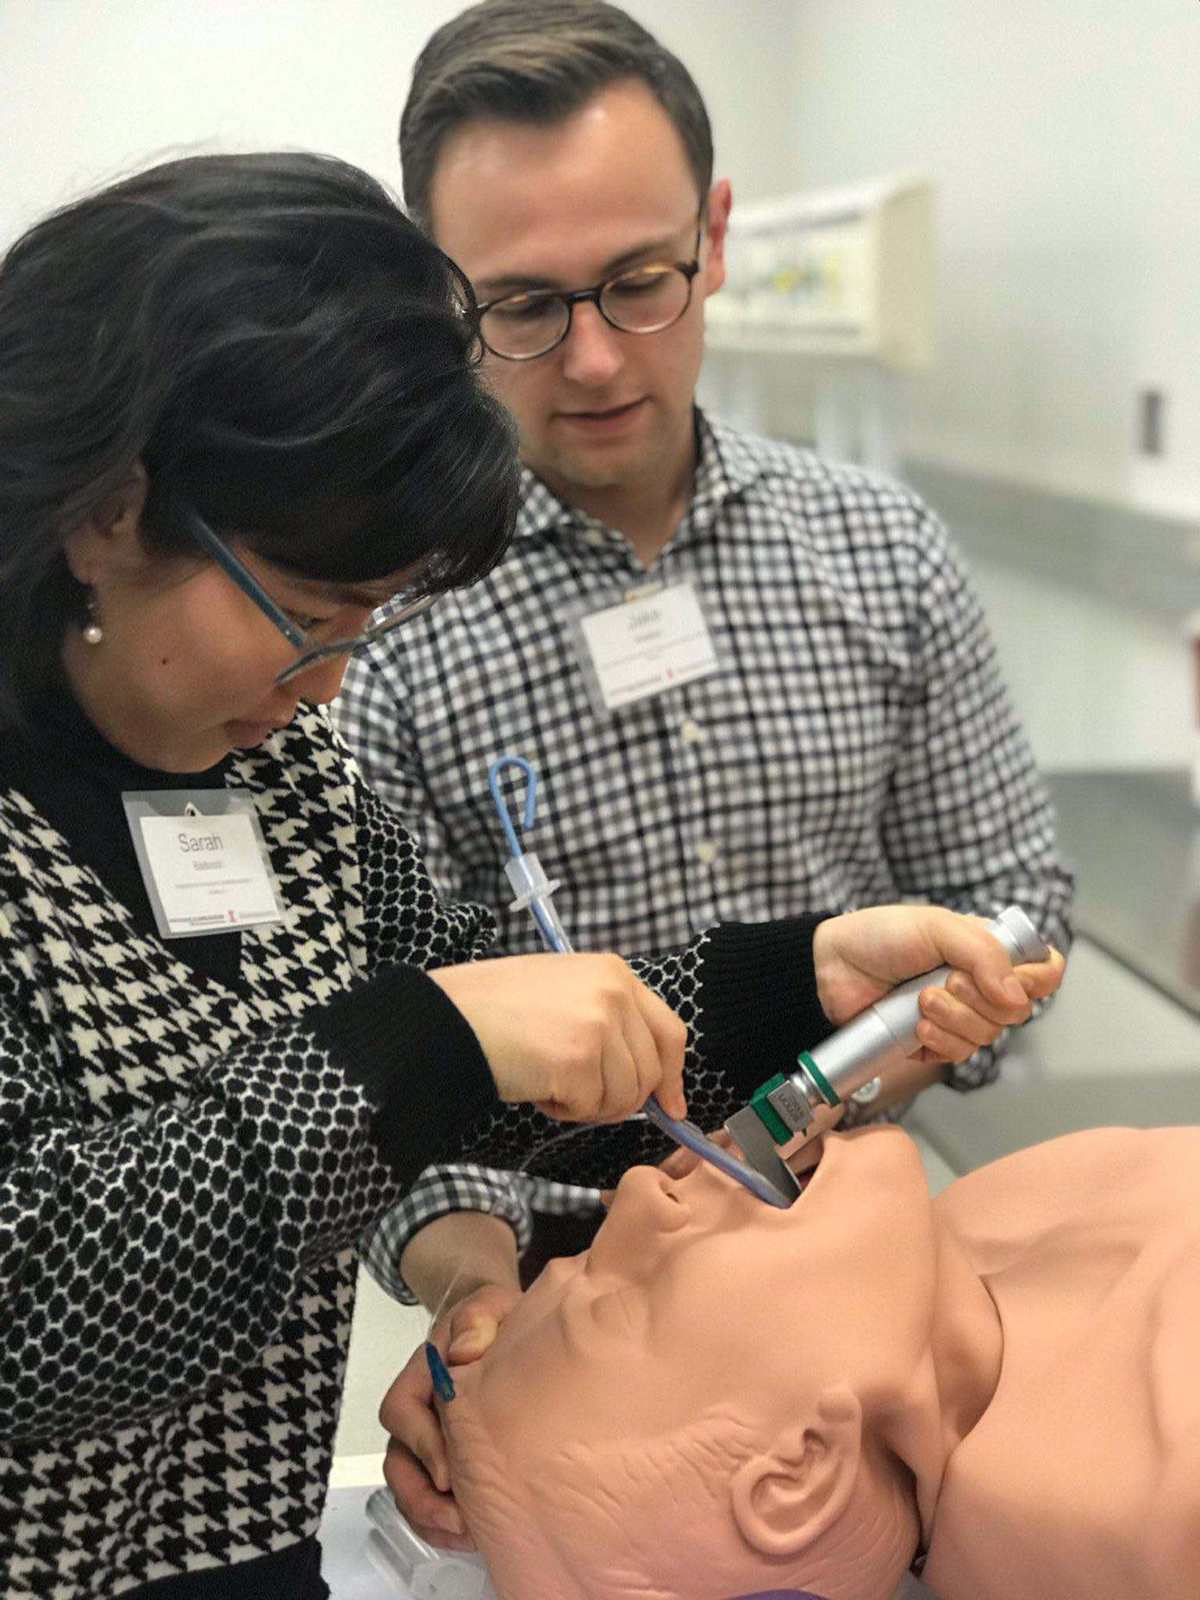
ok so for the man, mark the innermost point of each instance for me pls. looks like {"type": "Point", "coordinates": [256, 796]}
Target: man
{"type": "Point", "coordinates": [752, 684]}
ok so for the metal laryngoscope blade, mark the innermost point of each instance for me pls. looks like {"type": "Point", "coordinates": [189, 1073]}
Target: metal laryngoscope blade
{"type": "Point", "coordinates": [760, 1150]}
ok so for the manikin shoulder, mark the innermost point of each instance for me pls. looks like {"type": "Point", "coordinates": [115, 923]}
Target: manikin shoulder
{"type": "Point", "coordinates": [1088, 1186]}
{"type": "Point", "coordinates": [1083, 1474]}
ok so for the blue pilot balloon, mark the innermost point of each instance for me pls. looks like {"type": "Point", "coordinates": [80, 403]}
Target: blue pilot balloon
{"type": "Point", "coordinates": [443, 1383]}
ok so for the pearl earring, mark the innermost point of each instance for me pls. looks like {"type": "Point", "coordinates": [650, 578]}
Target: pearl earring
{"type": "Point", "coordinates": [93, 633]}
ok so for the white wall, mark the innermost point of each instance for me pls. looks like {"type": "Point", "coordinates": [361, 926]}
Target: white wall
{"type": "Point", "coordinates": [1096, 683]}
{"type": "Point", "coordinates": [92, 88]}
{"type": "Point", "coordinates": [1065, 142]}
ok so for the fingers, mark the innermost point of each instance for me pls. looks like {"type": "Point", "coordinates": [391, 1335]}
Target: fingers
{"type": "Point", "coordinates": [940, 1044]}
{"type": "Point", "coordinates": [644, 1054]}
{"type": "Point", "coordinates": [669, 1034]}
{"type": "Point", "coordinates": [958, 1019]}
{"type": "Point", "coordinates": [432, 1515]}
{"type": "Point", "coordinates": [984, 961]}
{"type": "Point", "coordinates": [639, 1048]}
{"type": "Point", "coordinates": [986, 995]}
{"type": "Point", "coordinates": [625, 1084]}
{"type": "Point", "coordinates": [577, 1035]}
{"type": "Point", "coordinates": [408, 1415]}
{"type": "Point", "coordinates": [415, 1467]}
{"type": "Point", "coordinates": [1040, 978]}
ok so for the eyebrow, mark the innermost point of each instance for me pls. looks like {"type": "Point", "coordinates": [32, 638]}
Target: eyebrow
{"type": "Point", "coordinates": [345, 594]}
{"type": "Point", "coordinates": [518, 283]}
{"type": "Point", "coordinates": [363, 597]}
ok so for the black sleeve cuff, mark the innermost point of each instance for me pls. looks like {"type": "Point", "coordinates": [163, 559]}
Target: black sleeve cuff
{"type": "Point", "coordinates": [417, 1059]}
{"type": "Point", "coordinates": [758, 997]}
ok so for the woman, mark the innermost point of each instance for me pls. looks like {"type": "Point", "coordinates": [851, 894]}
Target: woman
{"type": "Point", "coordinates": [237, 412]}
{"type": "Point", "coordinates": [222, 373]}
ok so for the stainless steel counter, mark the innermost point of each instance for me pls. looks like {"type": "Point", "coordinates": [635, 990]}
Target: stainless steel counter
{"type": "Point", "coordinates": [1133, 839]}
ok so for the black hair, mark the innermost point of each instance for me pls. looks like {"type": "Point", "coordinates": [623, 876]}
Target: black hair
{"type": "Point", "coordinates": [280, 348]}
{"type": "Point", "coordinates": [538, 61]}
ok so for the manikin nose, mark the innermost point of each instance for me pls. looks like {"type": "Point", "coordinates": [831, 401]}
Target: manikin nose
{"type": "Point", "coordinates": [644, 1215]}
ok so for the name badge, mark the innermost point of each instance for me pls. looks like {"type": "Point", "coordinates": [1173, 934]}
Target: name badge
{"type": "Point", "coordinates": [648, 642]}
{"type": "Point", "coordinates": [204, 861]}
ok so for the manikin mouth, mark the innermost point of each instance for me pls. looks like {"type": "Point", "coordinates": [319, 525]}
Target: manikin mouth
{"type": "Point", "coordinates": [805, 1161]}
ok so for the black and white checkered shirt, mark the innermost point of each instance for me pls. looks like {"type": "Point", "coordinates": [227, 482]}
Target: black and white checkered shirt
{"type": "Point", "coordinates": [857, 745]}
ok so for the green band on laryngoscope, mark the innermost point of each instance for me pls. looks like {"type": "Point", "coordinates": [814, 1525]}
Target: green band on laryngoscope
{"type": "Point", "coordinates": [830, 1096]}
{"type": "Point", "coordinates": [767, 1114]}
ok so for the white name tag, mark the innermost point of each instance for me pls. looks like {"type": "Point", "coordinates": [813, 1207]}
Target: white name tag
{"type": "Point", "coordinates": [204, 861]}
{"type": "Point", "coordinates": [646, 644]}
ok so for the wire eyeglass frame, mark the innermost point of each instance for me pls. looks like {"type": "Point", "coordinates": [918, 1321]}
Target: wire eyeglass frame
{"type": "Point", "coordinates": [309, 651]}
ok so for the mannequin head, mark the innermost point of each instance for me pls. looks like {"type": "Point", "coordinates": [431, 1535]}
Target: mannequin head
{"type": "Point", "coordinates": [722, 1399]}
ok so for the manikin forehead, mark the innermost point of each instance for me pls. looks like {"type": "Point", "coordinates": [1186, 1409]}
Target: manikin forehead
{"type": "Point", "coordinates": [639, 1519]}
{"type": "Point", "coordinates": [521, 204]}
{"type": "Point", "coordinates": [589, 1520]}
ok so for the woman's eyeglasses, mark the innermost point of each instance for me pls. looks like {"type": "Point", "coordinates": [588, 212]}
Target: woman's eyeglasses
{"type": "Point", "coordinates": [308, 650]}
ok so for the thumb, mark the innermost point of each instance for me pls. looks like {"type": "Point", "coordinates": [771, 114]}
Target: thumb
{"type": "Point", "coordinates": [967, 944]}
{"type": "Point", "coordinates": [471, 1333]}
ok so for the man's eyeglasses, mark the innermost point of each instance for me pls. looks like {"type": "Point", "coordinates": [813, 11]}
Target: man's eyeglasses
{"type": "Point", "coordinates": [647, 299]}
{"type": "Point", "coordinates": [309, 650]}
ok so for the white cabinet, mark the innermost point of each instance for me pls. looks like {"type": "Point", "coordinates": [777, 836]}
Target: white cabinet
{"type": "Point", "coordinates": [841, 273]}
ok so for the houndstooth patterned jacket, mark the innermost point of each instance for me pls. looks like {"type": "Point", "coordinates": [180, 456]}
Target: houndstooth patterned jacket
{"type": "Point", "coordinates": [187, 1169]}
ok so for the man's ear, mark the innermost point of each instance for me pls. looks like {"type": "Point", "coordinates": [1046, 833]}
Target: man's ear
{"type": "Point", "coordinates": [784, 1499]}
{"type": "Point", "coordinates": [110, 533]}
{"type": "Point", "coordinates": [716, 224]}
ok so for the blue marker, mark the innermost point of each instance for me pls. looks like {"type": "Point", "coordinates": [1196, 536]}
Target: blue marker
{"type": "Point", "coordinates": [443, 1383]}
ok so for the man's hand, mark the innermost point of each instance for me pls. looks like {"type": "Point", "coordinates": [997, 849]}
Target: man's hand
{"type": "Point", "coordinates": [860, 955]}
{"type": "Point", "coordinates": [416, 1467]}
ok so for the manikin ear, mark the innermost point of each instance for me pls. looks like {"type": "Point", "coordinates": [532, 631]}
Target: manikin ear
{"type": "Point", "coordinates": [108, 537]}
{"type": "Point", "coordinates": [716, 223]}
{"type": "Point", "coordinates": [786, 1498]}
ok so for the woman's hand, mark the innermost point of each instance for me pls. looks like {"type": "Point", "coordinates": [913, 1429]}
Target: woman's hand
{"type": "Point", "coordinates": [578, 1035]}
{"type": "Point", "coordinates": [416, 1467]}
{"type": "Point", "coordinates": [860, 955]}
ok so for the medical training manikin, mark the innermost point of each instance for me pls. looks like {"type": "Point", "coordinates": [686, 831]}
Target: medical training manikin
{"type": "Point", "coordinates": [720, 1398]}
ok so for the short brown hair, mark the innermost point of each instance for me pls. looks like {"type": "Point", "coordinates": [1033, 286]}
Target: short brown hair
{"type": "Point", "coordinates": [537, 61]}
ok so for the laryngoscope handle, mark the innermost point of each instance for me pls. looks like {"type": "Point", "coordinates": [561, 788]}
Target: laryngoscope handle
{"type": "Point", "coordinates": [886, 1033]}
